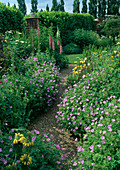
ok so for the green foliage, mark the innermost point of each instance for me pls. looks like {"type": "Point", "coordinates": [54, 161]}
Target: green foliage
{"type": "Point", "coordinates": [84, 6]}
{"type": "Point", "coordinates": [113, 7]}
{"type": "Point", "coordinates": [61, 6]}
{"type": "Point", "coordinates": [38, 148]}
{"type": "Point", "coordinates": [11, 19]}
{"type": "Point", "coordinates": [22, 6]}
{"type": "Point", "coordinates": [85, 38]}
{"type": "Point", "coordinates": [101, 8]}
{"type": "Point", "coordinates": [34, 4]}
{"type": "Point", "coordinates": [65, 21]}
{"type": "Point", "coordinates": [72, 49]}
{"type": "Point", "coordinates": [112, 27]}
{"type": "Point", "coordinates": [54, 5]}
{"type": "Point", "coordinates": [29, 91]}
{"type": "Point", "coordinates": [93, 7]}
{"type": "Point", "coordinates": [100, 148]}
{"type": "Point", "coordinates": [47, 8]}
{"type": "Point", "coordinates": [76, 8]}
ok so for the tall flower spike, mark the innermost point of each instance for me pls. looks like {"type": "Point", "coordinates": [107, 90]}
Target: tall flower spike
{"type": "Point", "coordinates": [57, 42]}
{"type": "Point", "coordinates": [53, 45]}
{"type": "Point", "coordinates": [60, 48]}
{"type": "Point", "coordinates": [38, 31]}
{"type": "Point", "coordinates": [50, 40]}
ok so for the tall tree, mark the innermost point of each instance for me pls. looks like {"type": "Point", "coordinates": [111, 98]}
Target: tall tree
{"type": "Point", "coordinates": [93, 7]}
{"type": "Point", "coordinates": [113, 7]}
{"type": "Point", "coordinates": [14, 6]}
{"type": "Point", "coordinates": [101, 8]}
{"type": "Point", "coordinates": [61, 6]}
{"type": "Point", "coordinates": [8, 4]}
{"type": "Point", "coordinates": [76, 6]}
{"type": "Point", "coordinates": [22, 6]}
{"type": "Point", "coordinates": [47, 8]}
{"type": "Point", "coordinates": [34, 4]}
{"type": "Point", "coordinates": [84, 7]}
{"type": "Point", "coordinates": [54, 5]}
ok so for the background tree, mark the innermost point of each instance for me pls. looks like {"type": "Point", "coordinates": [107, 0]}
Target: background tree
{"type": "Point", "coordinates": [93, 7]}
{"type": "Point", "coordinates": [22, 6]}
{"type": "Point", "coordinates": [8, 4]}
{"type": "Point", "coordinates": [113, 7]}
{"type": "Point", "coordinates": [34, 4]}
{"type": "Point", "coordinates": [76, 6]}
{"type": "Point", "coordinates": [47, 8]}
{"type": "Point", "coordinates": [14, 6]}
{"type": "Point", "coordinates": [61, 6]}
{"type": "Point", "coordinates": [54, 5]}
{"type": "Point", "coordinates": [101, 8]}
{"type": "Point", "coordinates": [112, 27]}
{"type": "Point", "coordinates": [84, 7]}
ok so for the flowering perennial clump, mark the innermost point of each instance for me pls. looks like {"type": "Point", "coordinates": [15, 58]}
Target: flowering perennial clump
{"type": "Point", "coordinates": [26, 159]}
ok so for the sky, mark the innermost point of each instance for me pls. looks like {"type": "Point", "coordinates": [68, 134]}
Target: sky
{"type": "Point", "coordinates": [42, 4]}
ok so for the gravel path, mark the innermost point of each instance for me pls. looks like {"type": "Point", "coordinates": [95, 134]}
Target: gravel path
{"type": "Point", "coordinates": [47, 122]}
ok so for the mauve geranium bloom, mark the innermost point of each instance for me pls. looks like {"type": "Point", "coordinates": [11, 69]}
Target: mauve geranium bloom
{"type": "Point", "coordinates": [18, 161]}
{"type": "Point", "coordinates": [33, 138]}
{"type": "Point", "coordinates": [10, 137]}
{"type": "Point", "coordinates": [109, 158]}
{"type": "Point", "coordinates": [58, 146]}
{"type": "Point", "coordinates": [58, 162]}
{"type": "Point", "coordinates": [75, 164]}
{"type": "Point", "coordinates": [0, 149]}
{"type": "Point", "coordinates": [10, 150]}
{"type": "Point", "coordinates": [91, 147]}
{"type": "Point", "coordinates": [36, 131]}
{"type": "Point", "coordinates": [102, 137]}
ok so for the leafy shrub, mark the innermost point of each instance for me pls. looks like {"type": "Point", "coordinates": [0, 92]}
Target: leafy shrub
{"type": "Point", "coordinates": [72, 49]}
{"type": "Point", "coordinates": [105, 42]}
{"type": "Point", "coordinates": [100, 148]}
{"type": "Point", "coordinates": [28, 92]}
{"type": "Point", "coordinates": [38, 148]}
{"type": "Point", "coordinates": [84, 38]}
{"type": "Point", "coordinates": [11, 19]}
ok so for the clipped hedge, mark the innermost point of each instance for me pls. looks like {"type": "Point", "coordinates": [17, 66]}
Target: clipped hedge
{"type": "Point", "coordinates": [66, 22]}
{"type": "Point", "coordinates": [11, 19]}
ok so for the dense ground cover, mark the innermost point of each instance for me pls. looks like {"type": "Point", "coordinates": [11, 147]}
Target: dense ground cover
{"type": "Point", "coordinates": [90, 110]}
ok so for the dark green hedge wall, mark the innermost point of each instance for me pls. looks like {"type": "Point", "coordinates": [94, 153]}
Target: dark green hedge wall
{"type": "Point", "coordinates": [11, 19]}
{"type": "Point", "coordinates": [67, 22]}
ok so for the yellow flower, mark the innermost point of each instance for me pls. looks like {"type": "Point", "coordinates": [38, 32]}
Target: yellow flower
{"type": "Point", "coordinates": [112, 56]}
{"type": "Point", "coordinates": [75, 61]}
{"type": "Point", "coordinates": [77, 57]}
